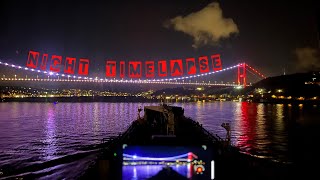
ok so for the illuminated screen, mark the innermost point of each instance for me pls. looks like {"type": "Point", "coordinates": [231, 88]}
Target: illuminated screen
{"type": "Point", "coordinates": [143, 162]}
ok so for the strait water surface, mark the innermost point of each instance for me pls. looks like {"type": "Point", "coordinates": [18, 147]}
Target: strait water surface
{"type": "Point", "coordinates": [42, 138]}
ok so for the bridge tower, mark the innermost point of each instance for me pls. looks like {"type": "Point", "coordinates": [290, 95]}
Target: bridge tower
{"type": "Point", "coordinates": [242, 74]}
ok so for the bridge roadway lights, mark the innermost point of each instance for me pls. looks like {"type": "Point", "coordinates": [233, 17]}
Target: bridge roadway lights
{"type": "Point", "coordinates": [112, 81]}
{"type": "Point", "coordinates": [240, 81]}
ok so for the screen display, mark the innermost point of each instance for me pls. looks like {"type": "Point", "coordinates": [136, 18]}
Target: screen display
{"type": "Point", "coordinates": [157, 162]}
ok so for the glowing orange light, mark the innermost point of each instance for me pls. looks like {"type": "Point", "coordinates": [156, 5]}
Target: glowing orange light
{"type": "Point", "coordinates": [199, 169]}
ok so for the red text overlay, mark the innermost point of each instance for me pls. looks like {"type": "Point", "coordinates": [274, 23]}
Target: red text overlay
{"type": "Point", "coordinates": [130, 69]}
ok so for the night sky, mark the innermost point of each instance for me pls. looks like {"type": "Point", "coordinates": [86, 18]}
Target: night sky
{"type": "Point", "coordinates": [269, 35]}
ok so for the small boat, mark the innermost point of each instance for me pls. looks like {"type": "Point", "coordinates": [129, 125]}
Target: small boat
{"type": "Point", "coordinates": [165, 144]}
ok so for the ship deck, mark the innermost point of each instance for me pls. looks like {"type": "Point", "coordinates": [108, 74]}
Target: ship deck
{"type": "Point", "coordinates": [230, 162]}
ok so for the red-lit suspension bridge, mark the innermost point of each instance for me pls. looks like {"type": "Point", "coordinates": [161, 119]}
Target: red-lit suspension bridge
{"type": "Point", "coordinates": [43, 76]}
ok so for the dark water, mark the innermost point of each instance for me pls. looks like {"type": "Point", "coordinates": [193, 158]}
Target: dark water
{"type": "Point", "coordinates": [42, 138]}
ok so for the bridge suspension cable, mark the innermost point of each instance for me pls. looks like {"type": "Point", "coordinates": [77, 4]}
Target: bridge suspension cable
{"type": "Point", "coordinates": [241, 76]}
{"type": "Point", "coordinates": [257, 72]}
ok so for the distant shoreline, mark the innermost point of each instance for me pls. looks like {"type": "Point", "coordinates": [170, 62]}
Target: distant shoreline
{"type": "Point", "coordinates": [138, 99]}
{"type": "Point", "coordinates": [81, 99]}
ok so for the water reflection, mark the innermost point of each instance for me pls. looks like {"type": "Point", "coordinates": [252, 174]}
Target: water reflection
{"type": "Point", "coordinates": [96, 115]}
{"type": "Point", "coordinates": [247, 125]}
{"type": "Point", "coordinates": [258, 129]}
{"type": "Point", "coordinates": [279, 124]}
{"type": "Point", "coordinates": [33, 130]}
{"type": "Point", "coordinates": [147, 171]}
{"type": "Point", "coordinates": [261, 136]}
{"type": "Point", "coordinates": [50, 140]}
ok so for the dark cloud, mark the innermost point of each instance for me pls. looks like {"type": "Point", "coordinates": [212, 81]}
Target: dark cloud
{"type": "Point", "coordinates": [307, 59]}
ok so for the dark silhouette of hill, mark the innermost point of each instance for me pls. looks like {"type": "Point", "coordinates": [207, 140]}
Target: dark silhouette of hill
{"type": "Point", "coordinates": [299, 84]}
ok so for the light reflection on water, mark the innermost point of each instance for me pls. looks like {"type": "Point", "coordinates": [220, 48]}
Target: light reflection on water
{"type": "Point", "coordinates": [259, 129]}
{"type": "Point", "coordinates": [35, 133]}
{"type": "Point", "coordinates": [50, 140]}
